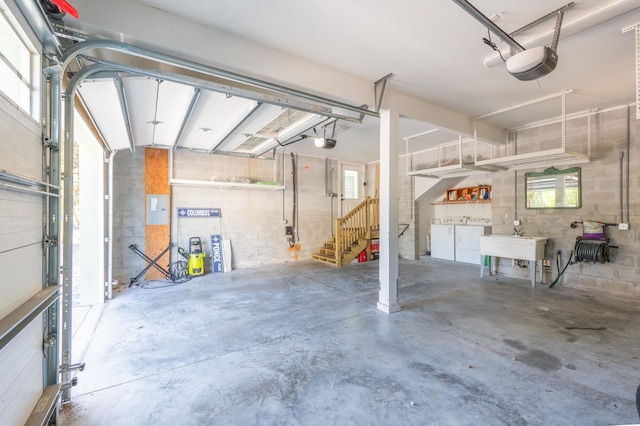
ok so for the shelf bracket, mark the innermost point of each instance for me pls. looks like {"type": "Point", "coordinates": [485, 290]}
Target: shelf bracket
{"type": "Point", "coordinates": [379, 88]}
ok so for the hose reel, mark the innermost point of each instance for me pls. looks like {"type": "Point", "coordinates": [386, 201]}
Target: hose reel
{"type": "Point", "coordinates": [593, 245]}
{"type": "Point", "coordinates": [591, 251]}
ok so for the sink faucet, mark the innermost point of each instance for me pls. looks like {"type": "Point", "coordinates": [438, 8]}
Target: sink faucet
{"type": "Point", "coordinates": [515, 232]}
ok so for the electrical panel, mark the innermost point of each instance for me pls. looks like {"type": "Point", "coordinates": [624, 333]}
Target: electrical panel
{"type": "Point", "coordinates": [157, 209]}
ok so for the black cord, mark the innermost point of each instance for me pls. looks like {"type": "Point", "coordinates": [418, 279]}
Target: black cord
{"type": "Point", "coordinates": [179, 271]}
{"type": "Point", "coordinates": [177, 275]}
{"type": "Point", "coordinates": [491, 44]}
{"type": "Point", "coordinates": [146, 286]}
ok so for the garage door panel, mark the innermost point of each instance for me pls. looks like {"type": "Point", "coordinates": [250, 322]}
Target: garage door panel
{"type": "Point", "coordinates": [19, 203]}
{"type": "Point", "coordinates": [23, 368]}
{"type": "Point", "coordinates": [21, 142]}
{"type": "Point", "coordinates": [20, 276]}
{"type": "Point", "coordinates": [21, 374]}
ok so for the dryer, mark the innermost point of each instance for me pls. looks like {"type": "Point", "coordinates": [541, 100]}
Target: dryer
{"type": "Point", "coordinates": [467, 240]}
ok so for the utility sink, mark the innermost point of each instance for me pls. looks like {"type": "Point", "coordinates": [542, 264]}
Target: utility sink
{"type": "Point", "coordinates": [526, 248]}
{"type": "Point", "coordinates": [512, 247]}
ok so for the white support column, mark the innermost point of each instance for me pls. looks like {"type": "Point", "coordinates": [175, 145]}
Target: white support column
{"type": "Point", "coordinates": [389, 214]}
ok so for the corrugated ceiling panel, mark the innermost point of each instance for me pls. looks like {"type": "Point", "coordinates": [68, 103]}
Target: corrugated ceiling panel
{"type": "Point", "coordinates": [102, 101]}
{"type": "Point", "coordinates": [156, 109]}
{"type": "Point", "coordinates": [262, 116]}
{"type": "Point", "coordinates": [213, 118]}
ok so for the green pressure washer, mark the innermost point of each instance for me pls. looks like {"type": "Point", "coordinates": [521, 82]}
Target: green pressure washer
{"type": "Point", "coordinates": [195, 257]}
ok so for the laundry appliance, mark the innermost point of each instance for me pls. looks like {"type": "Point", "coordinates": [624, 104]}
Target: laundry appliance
{"type": "Point", "coordinates": [467, 239]}
{"type": "Point", "coordinates": [443, 238]}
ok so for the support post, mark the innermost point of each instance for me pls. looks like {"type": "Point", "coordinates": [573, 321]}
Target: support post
{"type": "Point", "coordinates": [389, 214]}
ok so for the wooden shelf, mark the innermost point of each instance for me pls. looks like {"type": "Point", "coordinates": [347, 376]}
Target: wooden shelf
{"type": "Point", "coordinates": [468, 194]}
{"type": "Point", "coordinates": [437, 203]}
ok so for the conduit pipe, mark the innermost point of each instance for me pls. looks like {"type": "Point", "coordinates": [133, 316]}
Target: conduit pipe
{"type": "Point", "coordinates": [628, 154]}
{"type": "Point", "coordinates": [621, 156]}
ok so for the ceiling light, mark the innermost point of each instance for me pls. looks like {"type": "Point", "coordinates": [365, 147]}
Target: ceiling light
{"type": "Point", "coordinates": [326, 143]}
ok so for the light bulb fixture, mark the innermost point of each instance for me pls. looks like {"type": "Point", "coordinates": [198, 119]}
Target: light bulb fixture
{"type": "Point", "coordinates": [326, 143]}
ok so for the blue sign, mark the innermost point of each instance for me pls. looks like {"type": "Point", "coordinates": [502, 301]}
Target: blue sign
{"type": "Point", "coordinates": [198, 212]}
{"type": "Point", "coordinates": [216, 253]}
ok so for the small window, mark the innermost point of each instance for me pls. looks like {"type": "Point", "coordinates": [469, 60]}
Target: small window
{"type": "Point", "coordinates": [19, 65]}
{"type": "Point", "coordinates": [351, 185]}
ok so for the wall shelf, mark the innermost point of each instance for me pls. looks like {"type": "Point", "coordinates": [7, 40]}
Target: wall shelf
{"type": "Point", "coordinates": [557, 157]}
{"type": "Point", "coordinates": [438, 203]}
{"type": "Point", "coordinates": [214, 184]}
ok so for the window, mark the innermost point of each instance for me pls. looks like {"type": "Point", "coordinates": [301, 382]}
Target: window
{"type": "Point", "coordinates": [553, 189]}
{"type": "Point", "coordinates": [19, 64]}
{"type": "Point", "coordinates": [351, 185]}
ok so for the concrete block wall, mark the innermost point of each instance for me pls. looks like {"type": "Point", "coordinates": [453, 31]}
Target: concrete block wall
{"type": "Point", "coordinates": [128, 214]}
{"type": "Point", "coordinates": [253, 218]}
{"type": "Point", "coordinates": [600, 201]}
{"type": "Point", "coordinates": [409, 243]}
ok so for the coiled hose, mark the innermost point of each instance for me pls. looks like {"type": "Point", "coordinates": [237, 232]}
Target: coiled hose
{"type": "Point", "coordinates": [591, 251]}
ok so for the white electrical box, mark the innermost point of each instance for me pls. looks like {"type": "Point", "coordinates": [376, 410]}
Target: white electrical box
{"type": "Point", "coordinates": [623, 226]}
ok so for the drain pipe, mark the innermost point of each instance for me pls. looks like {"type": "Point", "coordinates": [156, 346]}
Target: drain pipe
{"type": "Point", "coordinates": [294, 212]}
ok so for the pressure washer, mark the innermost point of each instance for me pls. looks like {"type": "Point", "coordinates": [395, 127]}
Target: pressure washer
{"type": "Point", "coordinates": [195, 257]}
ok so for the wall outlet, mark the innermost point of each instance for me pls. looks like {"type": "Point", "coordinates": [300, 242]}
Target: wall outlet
{"type": "Point", "coordinates": [623, 226]}
{"type": "Point", "coordinates": [516, 223]}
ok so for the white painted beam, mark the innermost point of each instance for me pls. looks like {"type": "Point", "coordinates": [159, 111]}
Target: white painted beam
{"type": "Point", "coordinates": [418, 110]}
{"type": "Point", "coordinates": [389, 213]}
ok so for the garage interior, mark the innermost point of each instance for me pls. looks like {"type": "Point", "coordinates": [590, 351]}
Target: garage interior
{"type": "Point", "coordinates": [279, 214]}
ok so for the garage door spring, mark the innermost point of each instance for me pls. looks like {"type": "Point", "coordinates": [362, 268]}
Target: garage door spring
{"type": "Point", "coordinates": [591, 251]}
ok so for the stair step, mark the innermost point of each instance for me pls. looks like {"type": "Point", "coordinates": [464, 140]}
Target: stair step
{"type": "Point", "coordinates": [327, 251]}
{"type": "Point", "coordinates": [330, 244]}
{"type": "Point", "coordinates": [324, 259]}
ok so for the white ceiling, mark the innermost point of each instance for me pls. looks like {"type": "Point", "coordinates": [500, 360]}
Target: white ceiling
{"type": "Point", "coordinates": [435, 51]}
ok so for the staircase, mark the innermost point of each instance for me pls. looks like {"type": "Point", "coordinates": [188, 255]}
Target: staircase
{"type": "Point", "coordinates": [353, 233]}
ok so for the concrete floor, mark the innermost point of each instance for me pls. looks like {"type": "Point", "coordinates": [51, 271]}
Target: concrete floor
{"type": "Point", "coordinates": [303, 344]}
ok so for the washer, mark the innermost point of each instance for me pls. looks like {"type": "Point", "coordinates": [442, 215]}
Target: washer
{"type": "Point", "coordinates": [443, 238]}
{"type": "Point", "coordinates": [467, 240]}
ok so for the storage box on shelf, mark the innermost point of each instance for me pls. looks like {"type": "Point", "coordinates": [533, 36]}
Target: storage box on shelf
{"type": "Point", "coordinates": [480, 193]}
